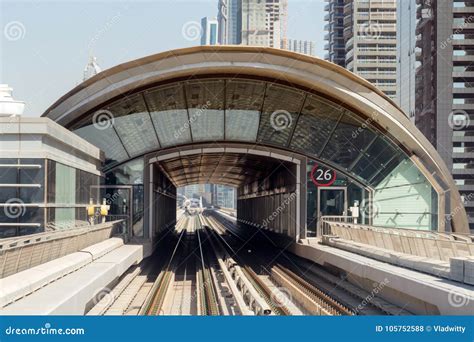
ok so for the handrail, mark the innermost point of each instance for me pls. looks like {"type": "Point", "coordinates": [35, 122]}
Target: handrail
{"type": "Point", "coordinates": [425, 244]}
{"type": "Point", "coordinates": [349, 220]}
{"type": "Point", "coordinates": [19, 241]}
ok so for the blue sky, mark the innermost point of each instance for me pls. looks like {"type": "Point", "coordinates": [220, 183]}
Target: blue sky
{"type": "Point", "coordinates": [45, 45]}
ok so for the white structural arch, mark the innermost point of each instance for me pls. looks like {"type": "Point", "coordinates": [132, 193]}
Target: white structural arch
{"type": "Point", "coordinates": [285, 76]}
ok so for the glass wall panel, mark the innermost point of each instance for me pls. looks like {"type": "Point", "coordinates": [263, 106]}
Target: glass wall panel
{"type": "Point", "coordinates": [126, 174]}
{"type": "Point", "coordinates": [376, 159]}
{"type": "Point", "coordinates": [32, 176]}
{"type": "Point", "coordinates": [8, 174]}
{"type": "Point", "coordinates": [128, 178]}
{"type": "Point", "coordinates": [65, 194]}
{"type": "Point", "coordinates": [205, 100]}
{"type": "Point", "coordinates": [205, 94]}
{"type": "Point", "coordinates": [405, 199]}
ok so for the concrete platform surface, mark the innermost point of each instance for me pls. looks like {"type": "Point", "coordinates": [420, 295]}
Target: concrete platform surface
{"type": "Point", "coordinates": [417, 292]}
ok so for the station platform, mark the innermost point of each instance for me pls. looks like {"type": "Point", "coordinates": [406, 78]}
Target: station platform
{"type": "Point", "coordinates": [415, 291]}
{"type": "Point", "coordinates": [66, 286]}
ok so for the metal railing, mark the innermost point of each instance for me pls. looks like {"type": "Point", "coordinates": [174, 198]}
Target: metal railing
{"type": "Point", "coordinates": [23, 252]}
{"type": "Point", "coordinates": [429, 244]}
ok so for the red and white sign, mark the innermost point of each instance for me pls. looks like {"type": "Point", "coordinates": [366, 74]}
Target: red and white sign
{"type": "Point", "coordinates": [322, 176]}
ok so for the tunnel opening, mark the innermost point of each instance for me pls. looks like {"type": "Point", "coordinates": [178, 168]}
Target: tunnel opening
{"type": "Point", "coordinates": [254, 187]}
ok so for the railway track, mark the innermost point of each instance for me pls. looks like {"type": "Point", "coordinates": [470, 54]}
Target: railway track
{"type": "Point", "coordinates": [342, 294]}
{"type": "Point", "coordinates": [309, 298]}
{"type": "Point", "coordinates": [211, 267]}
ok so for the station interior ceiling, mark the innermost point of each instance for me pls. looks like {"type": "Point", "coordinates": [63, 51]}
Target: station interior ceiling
{"type": "Point", "coordinates": [232, 169]}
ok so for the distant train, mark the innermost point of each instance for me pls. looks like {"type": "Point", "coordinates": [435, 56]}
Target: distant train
{"type": "Point", "coordinates": [193, 206]}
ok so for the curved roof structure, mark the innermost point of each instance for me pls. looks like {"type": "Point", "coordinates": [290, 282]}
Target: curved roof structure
{"type": "Point", "coordinates": [270, 97]}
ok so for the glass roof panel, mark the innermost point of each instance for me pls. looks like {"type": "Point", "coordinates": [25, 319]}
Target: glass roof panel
{"type": "Point", "coordinates": [106, 139]}
{"type": "Point", "coordinates": [241, 125]}
{"type": "Point", "coordinates": [242, 94]}
{"type": "Point", "coordinates": [206, 124]}
{"type": "Point", "coordinates": [205, 94]}
{"type": "Point", "coordinates": [205, 99]}
{"type": "Point", "coordinates": [280, 110]}
{"type": "Point", "coordinates": [169, 113]}
{"type": "Point", "coordinates": [172, 126]}
{"type": "Point", "coordinates": [217, 109]}
{"type": "Point", "coordinates": [166, 97]}
{"type": "Point", "coordinates": [315, 124]}
{"type": "Point", "coordinates": [349, 140]}
{"type": "Point", "coordinates": [133, 124]}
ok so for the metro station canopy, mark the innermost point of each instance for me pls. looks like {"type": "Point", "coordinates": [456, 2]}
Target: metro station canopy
{"type": "Point", "coordinates": [264, 96]}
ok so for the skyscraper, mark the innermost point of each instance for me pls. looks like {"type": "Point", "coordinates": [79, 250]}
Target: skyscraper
{"type": "Point", "coordinates": [229, 17]}
{"type": "Point", "coordinates": [335, 46]}
{"type": "Point", "coordinates": [253, 22]}
{"type": "Point", "coordinates": [370, 44]}
{"type": "Point", "coordinates": [444, 88]}
{"type": "Point", "coordinates": [301, 46]}
{"type": "Point", "coordinates": [406, 56]}
{"type": "Point", "coordinates": [209, 31]}
{"type": "Point", "coordinates": [224, 196]}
